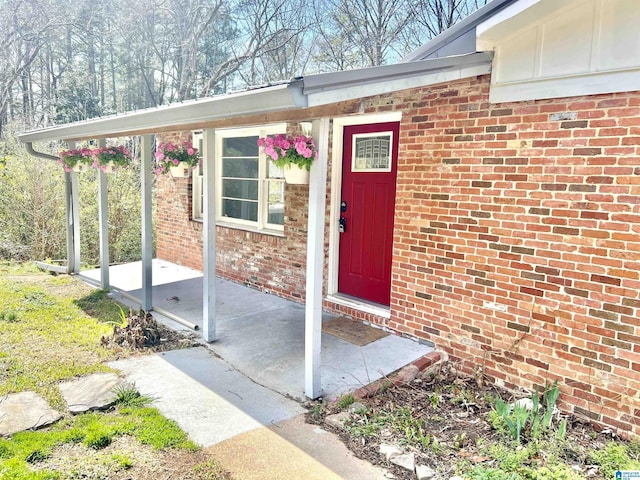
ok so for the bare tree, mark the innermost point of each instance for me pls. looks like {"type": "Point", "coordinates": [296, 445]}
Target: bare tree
{"type": "Point", "coordinates": [368, 29]}
{"type": "Point", "coordinates": [432, 17]}
{"type": "Point", "coordinates": [23, 32]}
{"type": "Point", "coordinates": [281, 43]}
{"type": "Point", "coordinates": [265, 28]}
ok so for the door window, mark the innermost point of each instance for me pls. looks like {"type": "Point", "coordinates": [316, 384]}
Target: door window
{"type": "Point", "coordinates": [372, 152]}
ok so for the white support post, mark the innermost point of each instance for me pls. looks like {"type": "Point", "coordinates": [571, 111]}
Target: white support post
{"type": "Point", "coordinates": [103, 224]}
{"type": "Point", "coordinates": [209, 237]}
{"type": "Point", "coordinates": [315, 260]}
{"type": "Point", "coordinates": [146, 302]}
{"type": "Point", "coordinates": [75, 217]}
{"type": "Point", "coordinates": [69, 209]}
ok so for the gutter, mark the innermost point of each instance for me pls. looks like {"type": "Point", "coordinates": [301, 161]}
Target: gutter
{"type": "Point", "coordinates": [262, 100]}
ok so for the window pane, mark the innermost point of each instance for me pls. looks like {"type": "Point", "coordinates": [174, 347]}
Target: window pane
{"type": "Point", "coordinates": [274, 171]}
{"type": "Point", "coordinates": [372, 152]}
{"type": "Point", "coordinates": [244, 210]}
{"type": "Point", "coordinates": [276, 202]}
{"type": "Point", "coordinates": [240, 147]}
{"type": "Point", "coordinates": [240, 167]}
{"type": "Point", "coordinates": [243, 189]}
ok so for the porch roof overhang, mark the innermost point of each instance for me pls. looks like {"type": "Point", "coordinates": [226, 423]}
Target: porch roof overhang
{"type": "Point", "coordinates": [297, 94]}
{"type": "Point", "coordinates": [281, 97]}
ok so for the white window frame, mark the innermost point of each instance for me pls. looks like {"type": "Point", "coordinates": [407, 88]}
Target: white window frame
{"type": "Point", "coordinates": [261, 225]}
{"type": "Point", "coordinates": [355, 168]}
{"type": "Point", "coordinates": [197, 181]}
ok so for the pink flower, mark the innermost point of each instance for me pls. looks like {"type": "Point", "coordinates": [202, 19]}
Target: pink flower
{"type": "Point", "coordinates": [159, 156]}
{"type": "Point", "coordinates": [67, 169]}
{"type": "Point", "coordinates": [175, 161]}
{"type": "Point", "coordinates": [190, 151]}
{"type": "Point", "coordinates": [269, 150]}
{"type": "Point", "coordinates": [103, 168]}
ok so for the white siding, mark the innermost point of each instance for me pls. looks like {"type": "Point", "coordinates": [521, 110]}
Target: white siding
{"type": "Point", "coordinates": [576, 47]}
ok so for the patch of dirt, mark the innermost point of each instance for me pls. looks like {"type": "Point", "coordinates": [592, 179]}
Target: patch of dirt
{"type": "Point", "coordinates": [453, 412]}
{"type": "Point", "coordinates": [125, 459]}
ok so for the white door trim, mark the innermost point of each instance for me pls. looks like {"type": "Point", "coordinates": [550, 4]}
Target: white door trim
{"type": "Point", "coordinates": [336, 186]}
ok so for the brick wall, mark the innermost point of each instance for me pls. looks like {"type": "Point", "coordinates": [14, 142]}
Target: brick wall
{"type": "Point", "coordinates": [517, 240]}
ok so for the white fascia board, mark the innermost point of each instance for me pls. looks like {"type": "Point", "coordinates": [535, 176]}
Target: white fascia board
{"type": "Point", "coordinates": [260, 100]}
{"type": "Point", "coordinates": [594, 83]}
{"type": "Point", "coordinates": [495, 27]}
{"type": "Point", "coordinates": [383, 85]}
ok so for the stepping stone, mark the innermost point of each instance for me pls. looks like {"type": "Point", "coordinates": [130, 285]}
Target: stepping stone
{"type": "Point", "coordinates": [94, 392]}
{"type": "Point", "coordinates": [25, 411]}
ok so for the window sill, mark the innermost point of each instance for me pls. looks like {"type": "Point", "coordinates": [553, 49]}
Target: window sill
{"type": "Point", "coordinates": [244, 228]}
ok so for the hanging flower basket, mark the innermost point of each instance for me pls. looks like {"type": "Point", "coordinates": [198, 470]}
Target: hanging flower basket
{"type": "Point", "coordinates": [296, 175]}
{"type": "Point", "coordinates": [110, 159]}
{"type": "Point", "coordinates": [181, 170]}
{"type": "Point", "coordinates": [76, 160]}
{"type": "Point", "coordinates": [107, 159]}
{"type": "Point", "coordinates": [293, 154]}
{"type": "Point", "coordinates": [80, 167]}
{"type": "Point", "coordinates": [176, 160]}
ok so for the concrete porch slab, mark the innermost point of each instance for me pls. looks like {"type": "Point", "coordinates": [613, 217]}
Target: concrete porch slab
{"type": "Point", "coordinates": [262, 335]}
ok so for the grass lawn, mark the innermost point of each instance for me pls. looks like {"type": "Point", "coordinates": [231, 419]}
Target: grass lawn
{"type": "Point", "coordinates": [51, 328]}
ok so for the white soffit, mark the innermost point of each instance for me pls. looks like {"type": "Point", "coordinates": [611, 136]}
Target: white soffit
{"type": "Point", "coordinates": [514, 17]}
{"type": "Point", "coordinates": [267, 99]}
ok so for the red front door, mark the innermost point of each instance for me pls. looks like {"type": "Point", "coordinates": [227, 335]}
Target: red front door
{"type": "Point", "coordinates": [369, 168]}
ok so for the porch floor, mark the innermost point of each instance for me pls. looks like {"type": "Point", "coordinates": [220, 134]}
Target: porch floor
{"type": "Point", "coordinates": [262, 335]}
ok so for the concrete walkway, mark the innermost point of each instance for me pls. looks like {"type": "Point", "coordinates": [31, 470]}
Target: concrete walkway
{"type": "Point", "coordinates": [254, 432]}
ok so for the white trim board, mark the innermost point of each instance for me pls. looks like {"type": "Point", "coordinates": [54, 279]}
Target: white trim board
{"type": "Point", "coordinates": [571, 86]}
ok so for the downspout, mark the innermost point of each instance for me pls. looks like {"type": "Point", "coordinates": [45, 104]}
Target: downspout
{"type": "Point", "coordinates": [69, 204]}
{"type": "Point", "coordinates": [35, 153]}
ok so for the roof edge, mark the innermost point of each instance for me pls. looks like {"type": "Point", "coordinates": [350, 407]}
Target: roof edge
{"type": "Point", "coordinates": [258, 100]}
{"type": "Point", "coordinates": [332, 81]}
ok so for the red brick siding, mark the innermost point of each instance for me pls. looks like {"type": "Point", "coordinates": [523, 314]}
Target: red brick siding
{"type": "Point", "coordinates": [532, 207]}
{"type": "Point", "coordinates": [517, 240]}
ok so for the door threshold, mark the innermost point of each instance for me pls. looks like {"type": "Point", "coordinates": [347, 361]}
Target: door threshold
{"type": "Point", "coordinates": [360, 304]}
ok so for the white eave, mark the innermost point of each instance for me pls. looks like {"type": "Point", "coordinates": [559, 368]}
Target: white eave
{"type": "Point", "coordinates": [328, 88]}
{"type": "Point", "coordinates": [260, 100]}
